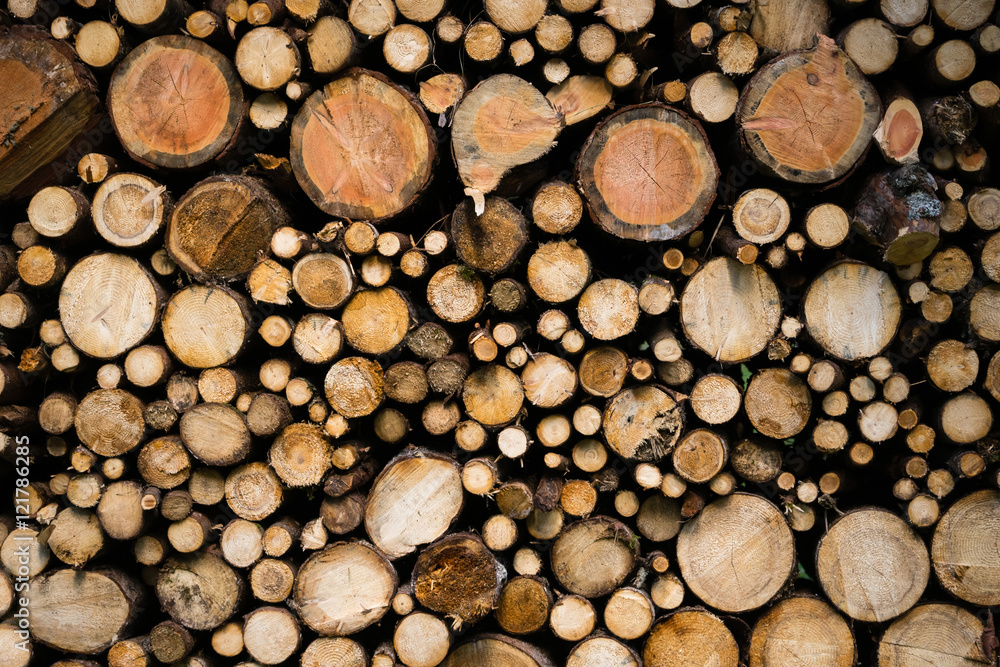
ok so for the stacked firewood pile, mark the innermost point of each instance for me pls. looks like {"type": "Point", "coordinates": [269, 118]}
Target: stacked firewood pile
{"type": "Point", "coordinates": [518, 333]}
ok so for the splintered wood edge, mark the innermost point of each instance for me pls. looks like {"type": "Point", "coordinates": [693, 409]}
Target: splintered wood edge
{"type": "Point", "coordinates": [630, 403]}
{"type": "Point", "coordinates": [683, 221]}
{"type": "Point", "coordinates": [474, 561]}
{"type": "Point", "coordinates": [580, 97]}
{"type": "Point", "coordinates": [481, 166]}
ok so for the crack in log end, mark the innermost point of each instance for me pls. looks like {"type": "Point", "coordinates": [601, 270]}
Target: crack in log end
{"type": "Point", "coordinates": [643, 423]}
{"type": "Point", "coordinates": [793, 92]}
{"type": "Point", "coordinates": [361, 147]}
{"type": "Point", "coordinates": [648, 173]}
{"type": "Point", "coordinates": [663, 433]}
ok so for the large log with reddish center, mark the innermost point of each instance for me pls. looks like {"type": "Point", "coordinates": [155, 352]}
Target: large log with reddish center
{"type": "Point", "coordinates": [648, 174]}
{"type": "Point", "coordinates": [808, 117]}
{"type": "Point", "coordinates": [362, 147]}
{"type": "Point", "coordinates": [176, 103]}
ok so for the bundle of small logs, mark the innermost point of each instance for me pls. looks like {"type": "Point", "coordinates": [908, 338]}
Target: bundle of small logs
{"type": "Point", "coordinates": [523, 333]}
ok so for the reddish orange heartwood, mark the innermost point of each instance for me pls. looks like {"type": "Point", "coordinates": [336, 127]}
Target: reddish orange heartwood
{"type": "Point", "coordinates": [808, 116]}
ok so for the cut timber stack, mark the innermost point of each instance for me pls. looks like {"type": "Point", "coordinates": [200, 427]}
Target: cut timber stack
{"type": "Point", "coordinates": [520, 333]}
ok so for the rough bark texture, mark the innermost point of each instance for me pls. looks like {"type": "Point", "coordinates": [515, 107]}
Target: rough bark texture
{"type": "Point", "coordinates": [51, 102]}
{"type": "Point", "coordinates": [898, 211]}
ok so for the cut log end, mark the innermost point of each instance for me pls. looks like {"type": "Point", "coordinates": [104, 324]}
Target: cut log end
{"type": "Point", "coordinates": [710, 326]}
{"type": "Point", "coordinates": [860, 532]}
{"type": "Point", "coordinates": [767, 565]}
{"type": "Point", "coordinates": [790, 93]}
{"type": "Point", "coordinates": [345, 174]}
{"type": "Point", "coordinates": [632, 203]}
{"type": "Point", "coordinates": [138, 109]}
{"type": "Point", "coordinates": [501, 124]}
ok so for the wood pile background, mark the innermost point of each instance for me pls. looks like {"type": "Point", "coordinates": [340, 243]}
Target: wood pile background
{"type": "Point", "coordinates": [519, 333]}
